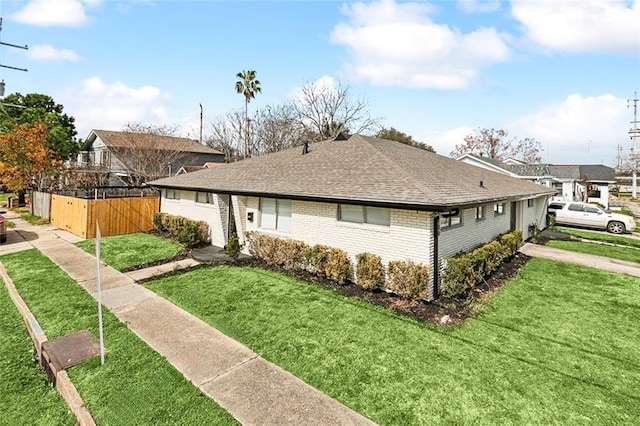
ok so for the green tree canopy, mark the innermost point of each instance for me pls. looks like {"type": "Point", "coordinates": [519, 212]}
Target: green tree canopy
{"type": "Point", "coordinates": [398, 136]}
{"type": "Point", "coordinates": [34, 108]}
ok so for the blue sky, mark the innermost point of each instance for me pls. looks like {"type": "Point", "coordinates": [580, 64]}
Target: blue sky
{"type": "Point", "coordinates": [557, 71]}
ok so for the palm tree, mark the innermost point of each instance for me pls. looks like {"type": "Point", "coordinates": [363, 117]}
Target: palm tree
{"type": "Point", "coordinates": [248, 86]}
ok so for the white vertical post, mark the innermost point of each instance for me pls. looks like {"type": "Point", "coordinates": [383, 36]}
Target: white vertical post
{"type": "Point", "coordinates": [98, 236]}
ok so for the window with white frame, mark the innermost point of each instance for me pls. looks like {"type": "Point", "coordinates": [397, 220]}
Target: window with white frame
{"type": "Point", "coordinates": [172, 194]}
{"type": "Point", "coordinates": [204, 197]}
{"type": "Point", "coordinates": [451, 219]}
{"type": "Point", "coordinates": [530, 202]}
{"type": "Point", "coordinates": [364, 214]}
{"type": "Point", "coordinates": [480, 213]}
{"type": "Point", "coordinates": [275, 214]}
{"type": "Point", "coordinates": [499, 209]}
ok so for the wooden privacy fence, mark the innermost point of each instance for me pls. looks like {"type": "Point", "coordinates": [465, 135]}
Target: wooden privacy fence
{"type": "Point", "coordinates": [116, 216]}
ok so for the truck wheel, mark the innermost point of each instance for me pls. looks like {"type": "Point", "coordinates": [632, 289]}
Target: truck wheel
{"type": "Point", "coordinates": [616, 227]}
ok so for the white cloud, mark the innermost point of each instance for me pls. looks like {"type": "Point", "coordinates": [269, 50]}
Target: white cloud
{"type": "Point", "coordinates": [397, 44]}
{"type": "Point", "coordinates": [65, 13]}
{"type": "Point", "coordinates": [323, 84]}
{"type": "Point", "coordinates": [110, 106]}
{"type": "Point", "coordinates": [581, 26]}
{"type": "Point", "coordinates": [445, 141]}
{"type": "Point", "coordinates": [481, 6]}
{"type": "Point", "coordinates": [579, 130]}
{"type": "Point", "coordinates": [46, 52]}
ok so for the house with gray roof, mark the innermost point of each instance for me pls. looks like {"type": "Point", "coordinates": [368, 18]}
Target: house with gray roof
{"type": "Point", "coordinates": [360, 194]}
{"type": "Point", "coordinates": [572, 182]}
{"type": "Point", "coordinates": [122, 153]}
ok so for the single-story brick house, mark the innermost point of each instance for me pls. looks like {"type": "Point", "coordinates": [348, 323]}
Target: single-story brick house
{"type": "Point", "coordinates": [360, 194]}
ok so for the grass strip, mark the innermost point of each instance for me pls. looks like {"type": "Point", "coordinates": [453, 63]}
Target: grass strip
{"type": "Point", "coordinates": [600, 237]}
{"type": "Point", "coordinates": [136, 386]}
{"type": "Point", "coordinates": [27, 396]}
{"type": "Point", "coordinates": [614, 252]}
{"type": "Point", "coordinates": [130, 250]}
{"type": "Point", "coordinates": [557, 345]}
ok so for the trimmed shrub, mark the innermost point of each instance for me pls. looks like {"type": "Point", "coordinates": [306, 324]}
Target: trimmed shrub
{"type": "Point", "coordinates": [465, 270]}
{"type": "Point", "coordinates": [317, 257]}
{"type": "Point", "coordinates": [157, 221]}
{"type": "Point", "coordinates": [292, 254]}
{"type": "Point", "coordinates": [338, 265]}
{"type": "Point", "coordinates": [369, 271]}
{"type": "Point", "coordinates": [189, 233]}
{"type": "Point", "coordinates": [274, 251]}
{"type": "Point", "coordinates": [262, 247]}
{"type": "Point", "coordinates": [408, 279]}
{"type": "Point", "coordinates": [233, 247]}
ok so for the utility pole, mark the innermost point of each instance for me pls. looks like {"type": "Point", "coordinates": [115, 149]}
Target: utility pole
{"type": "Point", "coordinates": [25, 47]}
{"type": "Point", "coordinates": [634, 132]}
{"type": "Point", "coordinates": [201, 111]}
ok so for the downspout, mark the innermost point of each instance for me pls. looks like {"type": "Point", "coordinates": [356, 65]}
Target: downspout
{"type": "Point", "coordinates": [229, 207]}
{"type": "Point", "coordinates": [436, 258]}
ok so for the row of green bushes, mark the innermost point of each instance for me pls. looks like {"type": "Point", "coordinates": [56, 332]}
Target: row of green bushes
{"type": "Point", "coordinates": [190, 233]}
{"type": "Point", "coordinates": [405, 278]}
{"type": "Point", "coordinates": [464, 271]}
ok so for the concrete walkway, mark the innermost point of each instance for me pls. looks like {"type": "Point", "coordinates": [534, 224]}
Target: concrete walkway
{"type": "Point", "coordinates": [253, 390]}
{"type": "Point", "coordinates": [583, 259]}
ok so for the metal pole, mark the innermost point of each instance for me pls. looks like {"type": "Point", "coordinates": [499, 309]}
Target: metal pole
{"type": "Point", "coordinates": [98, 238]}
{"type": "Point", "coordinates": [633, 134]}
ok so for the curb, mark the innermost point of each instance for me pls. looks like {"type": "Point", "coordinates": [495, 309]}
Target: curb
{"type": "Point", "coordinates": [63, 384]}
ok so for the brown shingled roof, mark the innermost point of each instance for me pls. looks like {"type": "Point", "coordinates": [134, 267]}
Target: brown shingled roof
{"type": "Point", "coordinates": [360, 170]}
{"type": "Point", "coordinates": [152, 141]}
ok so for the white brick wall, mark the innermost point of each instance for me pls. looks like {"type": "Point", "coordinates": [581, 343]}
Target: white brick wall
{"type": "Point", "coordinates": [407, 237]}
{"type": "Point", "coordinates": [472, 232]}
{"type": "Point", "coordinates": [186, 206]}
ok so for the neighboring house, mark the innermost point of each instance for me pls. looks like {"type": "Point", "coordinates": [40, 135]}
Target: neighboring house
{"type": "Point", "coordinates": [572, 182]}
{"type": "Point", "coordinates": [588, 183]}
{"type": "Point", "coordinates": [114, 152]}
{"type": "Point", "coordinates": [360, 194]}
{"type": "Point", "coordinates": [537, 173]}
{"type": "Point", "coordinates": [189, 169]}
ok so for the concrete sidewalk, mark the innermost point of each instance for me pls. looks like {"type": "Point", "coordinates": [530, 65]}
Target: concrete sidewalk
{"type": "Point", "coordinates": [583, 259]}
{"type": "Point", "coordinates": [253, 390]}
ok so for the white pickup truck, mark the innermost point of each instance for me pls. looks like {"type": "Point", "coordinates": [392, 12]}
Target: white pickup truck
{"type": "Point", "coordinates": [586, 215]}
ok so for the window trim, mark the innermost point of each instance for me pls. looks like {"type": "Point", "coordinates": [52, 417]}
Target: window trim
{"type": "Point", "coordinates": [446, 221]}
{"type": "Point", "coordinates": [530, 202]}
{"type": "Point", "coordinates": [176, 193]}
{"type": "Point", "coordinates": [209, 200]}
{"type": "Point", "coordinates": [499, 209]}
{"type": "Point", "coordinates": [482, 215]}
{"type": "Point", "coordinates": [277, 212]}
{"type": "Point", "coordinates": [364, 220]}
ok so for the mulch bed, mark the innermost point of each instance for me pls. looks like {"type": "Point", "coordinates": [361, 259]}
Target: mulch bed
{"type": "Point", "coordinates": [450, 311]}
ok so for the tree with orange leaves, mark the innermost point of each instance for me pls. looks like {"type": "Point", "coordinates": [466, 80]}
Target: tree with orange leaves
{"type": "Point", "coordinates": [25, 158]}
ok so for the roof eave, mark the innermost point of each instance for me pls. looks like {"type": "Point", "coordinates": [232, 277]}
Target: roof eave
{"type": "Point", "coordinates": [436, 207]}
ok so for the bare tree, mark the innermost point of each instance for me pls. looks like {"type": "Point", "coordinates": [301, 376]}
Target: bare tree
{"type": "Point", "coordinates": [497, 145]}
{"type": "Point", "coordinates": [276, 128]}
{"type": "Point", "coordinates": [76, 176]}
{"type": "Point", "coordinates": [145, 153]}
{"type": "Point", "coordinates": [326, 109]}
{"type": "Point", "coordinates": [226, 135]}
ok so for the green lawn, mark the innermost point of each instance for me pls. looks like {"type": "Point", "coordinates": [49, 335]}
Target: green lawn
{"type": "Point", "coordinates": [558, 345]}
{"type": "Point", "coordinates": [136, 386]}
{"type": "Point", "coordinates": [600, 237]}
{"type": "Point", "coordinates": [126, 251]}
{"type": "Point", "coordinates": [621, 253]}
{"type": "Point", "coordinates": [27, 396]}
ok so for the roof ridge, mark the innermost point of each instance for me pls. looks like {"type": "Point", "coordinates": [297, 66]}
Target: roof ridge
{"type": "Point", "coordinates": [405, 175]}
